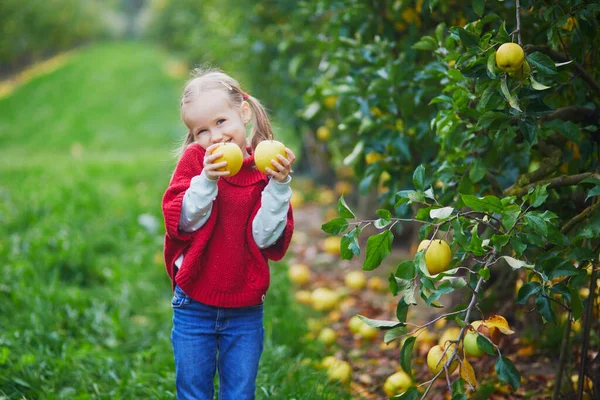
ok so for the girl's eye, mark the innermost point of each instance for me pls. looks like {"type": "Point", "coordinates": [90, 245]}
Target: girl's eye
{"type": "Point", "coordinates": [202, 131]}
{"type": "Point", "coordinates": [219, 122]}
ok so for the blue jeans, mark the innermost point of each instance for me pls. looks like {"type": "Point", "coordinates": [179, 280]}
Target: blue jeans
{"type": "Point", "coordinates": [209, 339]}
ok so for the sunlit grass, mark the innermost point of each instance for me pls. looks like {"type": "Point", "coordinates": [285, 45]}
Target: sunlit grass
{"type": "Point", "coordinates": [85, 155]}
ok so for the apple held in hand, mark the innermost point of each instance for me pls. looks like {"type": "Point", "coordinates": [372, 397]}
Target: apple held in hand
{"type": "Point", "coordinates": [231, 153]}
{"type": "Point", "coordinates": [265, 152]}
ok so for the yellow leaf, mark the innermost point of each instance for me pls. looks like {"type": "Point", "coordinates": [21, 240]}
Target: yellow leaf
{"type": "Point", "coordinates": [498, 321]}
{"type": "Point", "coordinates": [468, 374]}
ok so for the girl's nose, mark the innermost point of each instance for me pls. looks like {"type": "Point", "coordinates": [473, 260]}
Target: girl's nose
{"type": "Point", "coordinates": [217, 137]}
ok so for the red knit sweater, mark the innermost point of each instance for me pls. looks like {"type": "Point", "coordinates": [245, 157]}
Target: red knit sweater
{"type": "Point", "coordinates": [222, 266]}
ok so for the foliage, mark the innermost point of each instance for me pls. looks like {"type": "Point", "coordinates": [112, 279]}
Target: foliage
{"type": "Point", "coordinates": [511, 177]}
{"type": "Point", "coordinates": [35, 29]}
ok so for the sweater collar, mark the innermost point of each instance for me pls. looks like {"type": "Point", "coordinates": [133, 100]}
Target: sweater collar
{"type": "Point", "coordinates": [248, 174]}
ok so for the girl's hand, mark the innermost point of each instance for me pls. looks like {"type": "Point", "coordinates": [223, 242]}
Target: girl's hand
{"type": "Point", "coordinates": [282, 166]}
{"type": "Point", "coordinates": [210, 168]}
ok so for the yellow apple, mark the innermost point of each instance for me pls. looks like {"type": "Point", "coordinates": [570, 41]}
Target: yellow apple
{"type": "Point", "coordinates": [231, 153]}
{"type": "Point", "coordinates": [299, 274]}
{"type": "Point", "coordinates": [323, 133]}
{"type": "Point", "coordinates": [451, 333]}
{"type": "Point", "coordinates": [377, 284]}
{"type": "Point", "coordinates": [355, 280]}
{"type": "Point", "coordinates": [510, 57]}
{"type": "Point", "coordinates": [326, 196]}
{"type": "Point", "coordinates": [397, 383]}
{"type": "Point", "coordinates": [304, 297]}
{"type": "Point", "coordinates": [436, 362]}
{"type": "Point", "coordinates": [339, 370]}
{"type": "Point", "coordinates": [324, 299]}
{"type": "Point", "coordinates": [355, 323]}
{"type": "Point", "coordinates": [471, 346]}
{"type": "Point", "coordinates": [368, 332]}
{"type": "Point", "coordinates": [266, 151]}
{"type": "Point", "coordinates": [437, 256]}
{"type": "Point", "coordinates": [332, 245]}
{"type": "Point", "coordinates": [522, 72]}
{"type": "Point", "coordinates": [297, 199]}
{"type": "Point", "coordinates": [327, 336]}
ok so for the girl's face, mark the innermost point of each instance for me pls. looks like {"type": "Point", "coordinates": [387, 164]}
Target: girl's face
{"type": "Point", "coordinates": [211, 118]}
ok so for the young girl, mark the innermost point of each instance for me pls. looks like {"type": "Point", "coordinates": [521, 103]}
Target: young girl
{"type": "Point", "coordinates": [221, 230]}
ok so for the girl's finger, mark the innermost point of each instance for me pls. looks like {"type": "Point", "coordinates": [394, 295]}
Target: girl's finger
{"type": "Point", "coordinates": [291, 155]}
{"type": "Point", "coordinates": [284, 161]}
{"type": "Point", "coordinates": [277, 165]}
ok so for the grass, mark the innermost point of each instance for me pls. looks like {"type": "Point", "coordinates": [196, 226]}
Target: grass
{"type": "Point", "coordinates": [85, 155]}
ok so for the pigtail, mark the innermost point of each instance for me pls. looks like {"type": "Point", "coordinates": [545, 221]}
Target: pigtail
{"type": "Point", "coordinates": [261, 125]}
{"type": "Point", "coordinates": [189, 139]}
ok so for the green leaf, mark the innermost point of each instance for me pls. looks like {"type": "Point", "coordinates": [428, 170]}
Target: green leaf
{"type": "Point", "coordinates": [565, 268]}
{"type": "Point", "coordinates": [476, 244]}
{"type": "Point", "coordinates": [459, 235]}
{"type": "Point", "coordinates": [513, 101]}
{"type": "Point", "coordinates": [477, 171]}
{"type": "Point", "coordinates": [499, 241]}
{"type": "Point", "coordinates": [489, 117]}
{"type": "Point", "coordinates": [409, 294]}
{"type": "Point", "coordinates": [419, 178]}
{"type": "Point", "coordinates": [516, 264]}
{"type": "Point", "coordinates": [478, 6]}
{"type": "Point", "coordinates": [378, 248]}
{"type": "Point", "coordinates": [508, 373]}
{"type": "Point", "coordinates": [485, 345]}
{"type": "Point", "coordinates": [311, 110]}
{"type": "Point", "coordinates": [335, 226]}
{"type": "Point", "coordinates": [406, 270]}
{"type": "Point", "coordinates": [484, 273]}
{"type": "Point", "coordinates": [467, 38]}
{"type": "Point", "coordinates": [527, 290]}
{"type": "Point", "coordinates": [381, 324]}
{"type": "Point", "coordinates": [355, 154]}
{"type": "Point", "coordinates": [510, 215]}
{"type": "Point", "coordinates": [537, 223]}
{"type": "Point", "coordinates": [576, 304]}
{"type": "Point", "coordinates": [402, 310]}
{"type": "Point", "coordinates": [349, 244]}
{"type": "Point", "coordinates": [394, 333]}
{"type": "Point", "coordinates": [594, 192]}
{"type": "Point", "coordinates": [409, 196]}
{"type": "Point", "coordinates": [406, 354]}
{"type": "Point", "coordinates": [518, 246]}
{"type": "Point", "coordinates": [426, 43]}
{"type": "Point", "coordinates": [536, 85]}
{"type": "Point", "coordinates": [385, 220]}
{"type": "Point", "coordinates": [412, 393]}
{"type": "Point", "coordinates": [543, 63]}
{"type": "Point", "coordinates": [441, 213]}
{"type": "Point", "coordinates": [539, 195]}
{"type": "Point", "coordinates": [544, 307]}
{"type": "Point", "coordinates": [343, 209]}
{"type": "Point", "coordinates": [490, 204]}
{"type": "Point", "coordinates": [528, 128]}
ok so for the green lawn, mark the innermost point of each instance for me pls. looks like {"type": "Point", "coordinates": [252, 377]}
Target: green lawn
{"type": "Point", "coordinates": [85, 155]}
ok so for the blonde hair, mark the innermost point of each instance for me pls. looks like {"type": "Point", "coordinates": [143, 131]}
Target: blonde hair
{"type": "Point", "coordinates": [206, 79]}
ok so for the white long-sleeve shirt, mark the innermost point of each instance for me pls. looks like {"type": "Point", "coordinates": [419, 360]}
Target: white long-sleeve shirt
{"type": "Point", "coordinates": [268, 224]}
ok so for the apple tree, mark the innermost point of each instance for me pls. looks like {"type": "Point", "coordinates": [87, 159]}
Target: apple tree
{"type": "Point", "coordinates": [494, 153]}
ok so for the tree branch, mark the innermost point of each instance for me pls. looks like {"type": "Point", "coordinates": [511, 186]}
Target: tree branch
{"type": "Point", "coordinates": [556, 56]}
{"type": "Point", "coordinates": [582, 216]}
{"type": "Point", "coordinates": [518, 9]}
{"type": "Point", "coordinates": [563, 180]}
{"type": "Point", "coordinates": [550, 163]}
{"type": "Point", "coordinates": [579, 115]}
